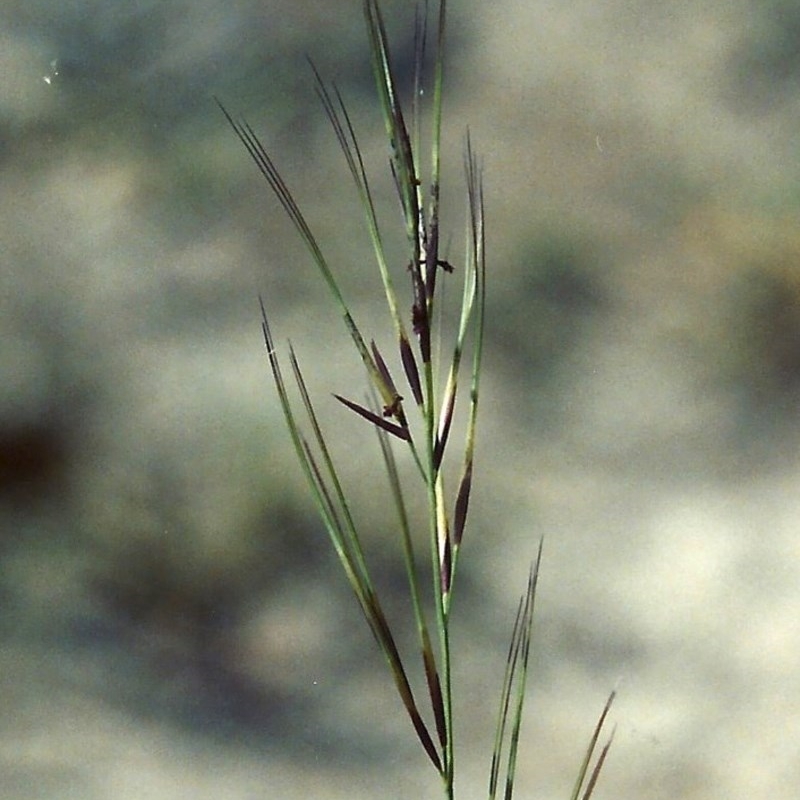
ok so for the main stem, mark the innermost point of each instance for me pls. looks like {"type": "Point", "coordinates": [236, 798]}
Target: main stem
{"type": "Point", "coordinates": [442, 612]}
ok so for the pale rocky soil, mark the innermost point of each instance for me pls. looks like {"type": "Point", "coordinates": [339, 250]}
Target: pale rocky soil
{"type": "Point", "coordinates": [173, 625]}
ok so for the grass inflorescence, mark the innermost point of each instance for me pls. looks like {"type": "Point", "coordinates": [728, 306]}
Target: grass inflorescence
{"type": "Point", "coordinates": [420, 420]}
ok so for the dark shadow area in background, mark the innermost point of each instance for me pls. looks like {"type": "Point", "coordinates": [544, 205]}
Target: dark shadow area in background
{"type": "Point", "coordinates": [765, 67]}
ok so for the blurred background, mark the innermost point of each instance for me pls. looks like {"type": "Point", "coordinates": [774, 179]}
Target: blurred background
{"type": "Point", "coordinates": [173, 622]}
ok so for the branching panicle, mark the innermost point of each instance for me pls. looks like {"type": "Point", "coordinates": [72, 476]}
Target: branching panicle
{"type": "Point", "coordinates": [424, 431]}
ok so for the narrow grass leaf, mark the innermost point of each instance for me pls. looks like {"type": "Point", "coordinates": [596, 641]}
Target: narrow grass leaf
{"type": "Point", "coordinates": [514, 683]}
{"type": "Point", "coordinates": [476, 268]}
{"type": "Point", "coordinates": [521, 680]}
{"type": "Point", "coordinates": [345, 540]}
{"type": "Point", "coordinates": [403, 158]}
{"type": "Point", "coordinates": [432, 235]}
{"type": "Point", "coordinates": [386, 390]}
{"type": "Point", "coordinates": [505, 700]}
{"type": "Point", "coordinates": [376, 419]}
{"type": "Point", "coordinates": [444, 541]}
{"type": "Point", "coordinates": [587, 758]}
{"type": "Point", "coordinates": [279, 188]}
{"type": "Point", "coordinates": [462, 504]}
{"type": "Point", "coordinates": [386, 640]}
{"type": "Point", "coordinates": [420, 46]}
{"type": "Point", "coordinates": [428, 657]}
{"type": "Point", "coordinates": [445, 421]}
{"type": "Point", "coordinates": [346, 531]}
{"type": "Point", "coordinates": [348, 141]}
{"type": "Point", "coordinates": [396, 408]}
{"type": "Point", "coordinates": [601, 759]}
{"type": "Point", "coordinates": [346, 546]}
{"type": "Point", "coordinates": [411, 370]}
{"type": "Point", "coordinates": [268, 169]}
{"type": "Point", "coordinates": [435, 691]}
{"type": "Point", "coordinates": [404, 170]}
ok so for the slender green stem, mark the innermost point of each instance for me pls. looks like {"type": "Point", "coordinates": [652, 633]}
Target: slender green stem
{"type": "Point", "coordinates": [438, 559]}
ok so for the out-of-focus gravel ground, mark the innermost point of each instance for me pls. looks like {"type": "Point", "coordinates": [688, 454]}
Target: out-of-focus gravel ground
{"type": "Point", "coordinates": [172, 622]}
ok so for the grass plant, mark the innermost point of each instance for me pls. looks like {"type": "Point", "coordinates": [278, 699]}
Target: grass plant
{"type": "Point", "coordinates": [442, 381]}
